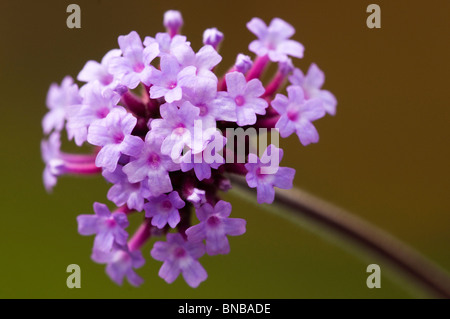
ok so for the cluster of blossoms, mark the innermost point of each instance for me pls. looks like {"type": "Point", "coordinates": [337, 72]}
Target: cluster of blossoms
{"type": "Point", "coordinates": [156, 115]}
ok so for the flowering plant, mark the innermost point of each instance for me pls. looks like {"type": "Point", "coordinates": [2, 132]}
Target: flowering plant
{"type": "Point", "coordinates": [159, 119]}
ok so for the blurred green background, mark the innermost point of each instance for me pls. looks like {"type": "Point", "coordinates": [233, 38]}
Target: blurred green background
{"type": "Point", "coordinates": [385, 156]}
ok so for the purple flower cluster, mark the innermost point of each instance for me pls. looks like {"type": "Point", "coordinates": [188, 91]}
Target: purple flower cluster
{"type": "Point", "coordinates": [156, 116]}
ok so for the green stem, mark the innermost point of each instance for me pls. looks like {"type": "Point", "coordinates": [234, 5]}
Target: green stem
{"type": "Point", "coordinates": [300, 204]}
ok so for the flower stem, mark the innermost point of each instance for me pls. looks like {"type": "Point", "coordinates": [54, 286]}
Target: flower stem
{"type": "Point", "coordinates": [258, 67]}
{"type": "Point", "coordinates": [300, 204]}
{"type": "Point", "coordinates": [141, 236]}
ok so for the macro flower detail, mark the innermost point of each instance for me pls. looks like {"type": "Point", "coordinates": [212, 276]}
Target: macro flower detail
{"type": "Point", "coordinates": [94, 71]}
{"type": "Point", "coordinates": [153, 166]}
{"type": "Point", "coordinates": [96, 104]}
{"type": "Point", "coordinates": [273, 40]}
{"type": "Point", "coordinates": [245, 96]}
{"type": "Point", "coordinates": [297, 115]}
{"type": "Point", "coordinates": [123, 192]}
{"type": "Point", "coordinates": [264, 177]}
{"type": "Point", "coordinates": [214, 227]}
{"type": "Point", "coordinates": [177, 128]}
{"type": "Point", "coordinates": [167, 132]}
{"type": "Point", "coordinates": [120, 264]}
{"type": "Point", "coordinates": [163, 210]}
{"type": "Point", "coordinates": [311, 84]}
{"type": "Point", "coordinates": [108, 227]}
{"type": "Point", "coordinates": [113, 133]}
{"type": "Point", "coordinates": [133, 66]}
{"type": "Point", "coordinates": [166, 82]}
{"type": "Point", "coordinates": [180, 256]}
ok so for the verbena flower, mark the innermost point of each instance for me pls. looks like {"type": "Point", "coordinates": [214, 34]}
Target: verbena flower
{"type": "Point", "coordinates": [311, 84]}
{"type": "Point", "coordinates": [108, 227]}
{"type": "Point", "coordinates": [157, 116]}
{"type": "Point", "coordinates": [297, 115]}
{"type": "Point", "coordinates": [214, 227]}
{"type": "Point", "coordinates": [163, 209]}
{"type": "Point", "coordinates": [180, 256]}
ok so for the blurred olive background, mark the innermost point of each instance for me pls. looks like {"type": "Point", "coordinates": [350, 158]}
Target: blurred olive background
{"type": "Point", "coordinates": [384, 156]}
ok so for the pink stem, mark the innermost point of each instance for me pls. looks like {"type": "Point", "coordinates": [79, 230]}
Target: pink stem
{"type": "Point", "coordinates": [275, 84]}
{"type": "Point", "coordinates": [141, 236]}
{"type": "Point", "coordinates": [267, 122]}
{"type": "Point", "coordinates": [78, 158]}
{"type": "Point", "coordinates": [258, 67]}
{"type": "Point", "coordinates": [124, 209]}
{"type": "Point", "coordinates": [81, 168]}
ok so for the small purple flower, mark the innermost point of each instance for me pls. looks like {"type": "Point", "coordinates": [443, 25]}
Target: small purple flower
{"type": "Point", "coordinates": [203, 61]}
{"type": "Point", "coordinates": [94, 71]}
{"type": "Point", "coordinates": [296, 115]}
{"type": "Point", "coordinates": [177, 129]}
{"type": "Point", "coordinates": [264, 183]}
{"type": "Point", "coordinates": [214, 106]}
{"type": "Point", "coordinates": [243, 63]}
{"type": "Point", "coordinates": [120, 263]}
{"type": "Point", "coordinates": [214, 227]}
{"type": "Point", "coordinates": [113, 133]}
{"type": "Point", "coordinates": [59, 99]}
{"type": "Point", "coordinates": [312, 84]}
{"type": "Point", "coordinates": [180, 256]}
{"type": "Point", "coordinates": [152, 165]}
{"type": "Point", "coordinates": [213, 37]}
{"type": "Point", "coordinates": [134, 66]}
{"type": "Point", "coordinates": [173, 21]}
{"type": "Point", "coordinates": [176, 46]}
{"type": "Point", "coordinates": [274, 40]}
{"type": "Point", "coordinates": [164, 209]}
{"type": "Point", "coordinates": [97, 103]}
{"type": "Point", "coordinates": [246, 97]}
{"type": "Point", "coordinates": [108, 227]}
{"type": "Point", "coordinates": [165, 82]}
{"type": "Point", "coordinates": [123, 192]}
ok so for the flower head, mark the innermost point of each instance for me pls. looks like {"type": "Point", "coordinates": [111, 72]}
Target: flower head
{"type": "Point", "coordinates": [155, 116]}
